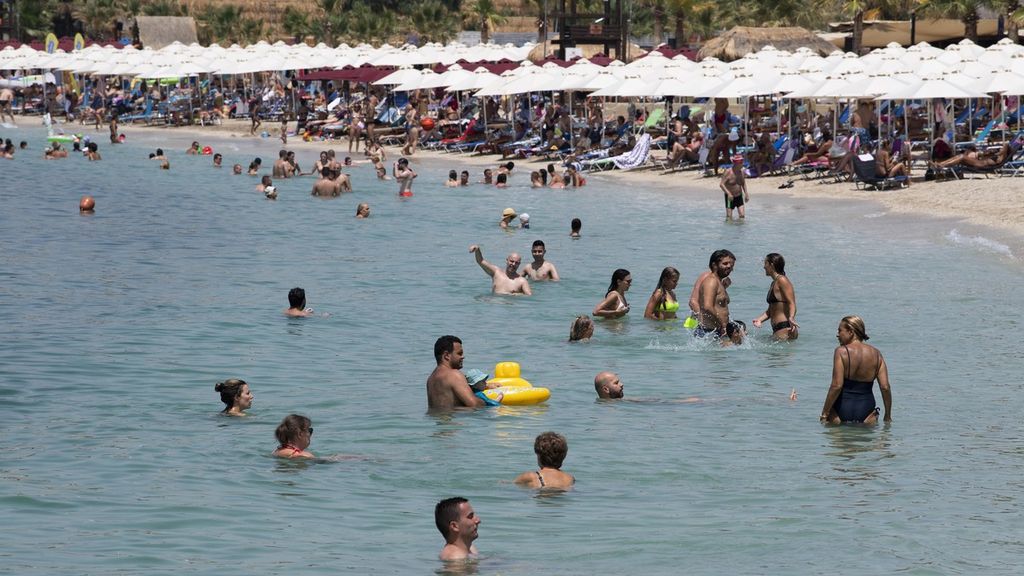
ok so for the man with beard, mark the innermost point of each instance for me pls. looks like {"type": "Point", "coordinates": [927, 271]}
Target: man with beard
{"type": "Point", "coordinates": [447, 387]}
{"type": "Point", "coordinates": [608, 386]}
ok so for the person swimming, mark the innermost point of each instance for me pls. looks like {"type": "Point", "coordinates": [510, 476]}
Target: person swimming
{"type": "Point", "coordinates": [662, 304]}
{"type": "Point", "coordinates": [551, 449]}
{"type": "Point", "coordinates": [235, 395]}
{"type": "Point", "coordinates": [294, 434]}
{"type": "Point", "coordinates": [855, 367]}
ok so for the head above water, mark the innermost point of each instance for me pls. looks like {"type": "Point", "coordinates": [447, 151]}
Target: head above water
{"type": "Point", "coordinates": [445, 345]}
{"type": "Point", "coordinates": [297, 298]}
{"type": "Point", "coordinates": [777, 262]}
{"type": "Point", "coordinates": [608, 385]}
{"type": "Point", "coordinates": [582, 329]}
{"type": "Point", "coordinates": [293, 428]}
{"type": "Point", "coordinates": [230, 390]}
{"type": "Point", "coordinates": [551, 449]}
{"type": "Point", "coordinates": [719, 255]}
{"type": "Point", "coordinates": [618, 276]}
{"type": "Point", "coordinates": [447, 512]}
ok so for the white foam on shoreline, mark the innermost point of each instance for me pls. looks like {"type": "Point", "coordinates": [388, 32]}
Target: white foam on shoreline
{"type": "Point", "coordinates": [980, 242]}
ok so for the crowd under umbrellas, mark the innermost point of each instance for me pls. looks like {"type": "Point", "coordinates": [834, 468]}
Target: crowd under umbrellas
{"type": "Point", "coordinates": [918, 73]}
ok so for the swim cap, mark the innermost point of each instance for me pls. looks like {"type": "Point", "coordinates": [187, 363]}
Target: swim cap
{"type": "Point", "coordinates": [524, 217]}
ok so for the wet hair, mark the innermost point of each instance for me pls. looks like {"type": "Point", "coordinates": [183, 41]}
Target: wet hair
{"type": "Point", "coordinates": [152, 155]}
{"type": "Point", "coordinates": [551, 168]}
{"type": "Point", "coordinates": [93, 147]}
{"type": "Point", "coordinates": [359, 207]}
{"type": "Point", "coordinates": [576, 224]}
{"type": "Point", "coordinates": [289, 430]}
{"type": "Point", "coordinates": [535, 175]}
{"type": "Point", "coordinates": [487, 171]}
{"type": "Point", "coordinates": [282, 153]}
{"type": "Point", "coordinates": [266, 180]}
{"type": "Point", "coordinates": [567, 179]}
{"type": "Point", "coordinates": [444, 345]}
{"type": "Point", "coordinates": [297, 298]}
{"type": "Point", "coordinates": [735, 325]}
{"type": "Point", "coordinates": [229, 391]}
{"type": "Point", "coordinates": [217, 156]}
{"type": "Point", "coordinates": [510, 165]}
{"type": "Point", "coordinates": [502, 179]}
{"type": "Point", "coordinates": [159, 151]}
{"type": "Point", "coordinates": [617, 276]}
{"type": "Point", "coordinates": [465, 173]}
{"type": "Point", "coordinates": [544, 177]}
{"type": "Point", "coordinates": [667, 273]}
{"type": "Point", "coordinates": [777, 261]}
{"type": "Point", "coordinates": [453, 175]}
{"type": "Point", "coordinates": [550, 448]}
{"type": "Point", "coordinates": [856, 325]}
{"type": "Point", "coordinates": [447, 511]}
{"type": "Point", "coordinates": [538, 243]}
{"type": "Point", "coordinates": [23, 145]}
{"type": "Point", "coordinates": [718, 255]}
{"type": "Point", "coordinates": [579, 326]}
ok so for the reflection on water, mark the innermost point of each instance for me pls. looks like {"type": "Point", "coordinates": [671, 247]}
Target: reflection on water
{"type": "Point", "coordinates": [859, 450]}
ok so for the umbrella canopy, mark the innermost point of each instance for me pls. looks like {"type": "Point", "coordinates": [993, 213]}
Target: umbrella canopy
{"type": "Point", "coordinates": [404, 74]}
{"type": "Point", "coordinates": [933, 87]}
{"type": "Point", "coordinates": [631, 86]}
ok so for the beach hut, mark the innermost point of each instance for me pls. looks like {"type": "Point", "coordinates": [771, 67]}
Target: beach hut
{"type": "Point", "coordinates": [743, 40]}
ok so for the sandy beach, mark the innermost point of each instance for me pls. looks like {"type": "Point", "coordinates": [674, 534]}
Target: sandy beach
{"type": "Point", "coordinates": [996, 203]}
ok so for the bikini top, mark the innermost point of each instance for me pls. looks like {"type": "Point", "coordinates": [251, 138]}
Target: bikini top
{"type": "Point", "coordinates": [771, 294]}
{"type": "Point", "coordinates": [669, 306]}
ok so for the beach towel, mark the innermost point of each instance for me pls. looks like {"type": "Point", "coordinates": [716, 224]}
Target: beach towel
{"type": "Point", "coordinates": [636, 157]}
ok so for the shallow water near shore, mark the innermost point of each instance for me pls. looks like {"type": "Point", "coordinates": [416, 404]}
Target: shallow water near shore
{"type": "Point", "coordinates": [119, 324]}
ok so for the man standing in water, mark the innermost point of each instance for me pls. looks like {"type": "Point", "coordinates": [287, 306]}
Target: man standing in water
{"type": "Point", "coordinates": [540, 269]}
{"type": "Point", "coordinates": [714, 300]}
{"type": "Point", "coordinates": [446, 386]}
{"type": "Point", "coordinates": [507, 281]}
{"type": "Point", "coordinates": [404, 176]}
{"type": "Point", "coordinates": [734, 186]}
{"type": "Point", "coordinates": [458, 523]}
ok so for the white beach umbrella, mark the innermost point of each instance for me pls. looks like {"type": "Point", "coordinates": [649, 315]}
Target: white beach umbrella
{"type": "Point", "coordinates": [481, 78]}
{"type": "Point", "coordinates": [932, 87]}
{"type": "Point", "coordinates": [403, 75]}
{"type": "Point", "coordinates": [1003, 81]}
{"type": "Point", "coordinates": [874, 85]}
{"type": "Point", "coordinates": [740, 87]}
{"type": "Point", "coordinates": [632, 86]}
{"type": "Point", "coordinates": [417, 83]}
{"type": "Point", "coordinates": [830, 87]}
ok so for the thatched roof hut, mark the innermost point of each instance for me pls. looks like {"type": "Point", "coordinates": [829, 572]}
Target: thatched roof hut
{"type": "Point", "coordinates": [158, 31]}
{"type": "Point", "coordinates": [743, 40]}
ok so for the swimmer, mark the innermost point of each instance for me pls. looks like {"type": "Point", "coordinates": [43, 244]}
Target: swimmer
{"type": "Point", "coordinates": [297, 304]}
{"type": "Point", "coordinates": [453, 179]}
{"type": "Point", "coordinates": [55, 151]}
{"type": "Point", "coordinates": [608, 386]}
{"type": "Point", "coordinates": [282, 169]}
{"type": "Point", "coordinates": [524, 220]}
{"type": "Point", "coordinates": [464, 178]}
{"type": "Point", "coordinates": [92, 152]}
{"type": "Point", "coordinates": [363, 211]}
{"type": "Point", "coordinates": [270, 192]}
{"type": "Point", "coordinates": [714, 299]}
{"type": "Point", "coordinates": [165, 165]}
{"type": "Point", "coordinates": [264, 182]}
{"type": "Point", "coordinates": [551, 449]}
{"type": "Point", "coordinates": [378, 166]}
{"type": "Point", "coordinates": [507, 216]}
{"type": "Point", "coordinates": [326, 186]}
{"type": "Point", "coordinates": [235, 395]}
{"type": "Point", "coordinates": [501, 181]}
{"type": "Point", "coordinates": [574, 228]}
{"type": "Point", "coordinates": [217, 159]}
{"type": "Point", "coordinates": [663, 305]}
{"type": "Point", "coordinates": [614, 304]}
{"type": "Point", "coordinates": [447, 387]}
{"type": "Point", "coordinates": [582, 329]}
{"type": "Point", "coordinates": [506, 169]}
{"type": "Point", "coordinates": [193, 149]}
{"type": "Point", "coordinates": [855, 367]}
{"type": "Point", "coordinates": [294, 434]}
{"type": "Point", "coordinates": [236, 170]}
{"type": "Point", "coordinates": [507, 281]}
{"type": "Point", "coordinates": [540, 269]}
{"type": "Point", "coordinates": [488, 177]}
{"type": "Point", "coordinates": [477, 380]}
{"type": "Point", "coordinates": [159, 155]}
{"type": "Point", "coordinates": [781, 300]}
{"type": "Point", "coordinates": [535, 180]}
{"type": "Point", "coordinates": [459, 525]}
{"type": "Point", "coordinates": [87, 205]}
{"type": "Point", "coordinates": [404, 175]}
{"type": "Point", "coordinates": [695, 292]}
{"type": "Point", "coordinates": [254, 166]}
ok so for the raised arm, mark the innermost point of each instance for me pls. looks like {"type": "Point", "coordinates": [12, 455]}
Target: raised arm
{"type": "Point", "coordinates": [835, 388]}
{"type": "Point", "coordinates": [487, 266]}
{"type": "Point", "coordinates": [883, 386]}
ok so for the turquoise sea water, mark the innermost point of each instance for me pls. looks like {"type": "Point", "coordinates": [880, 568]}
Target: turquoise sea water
{"type": "Point", "coordinates": [118, 325]}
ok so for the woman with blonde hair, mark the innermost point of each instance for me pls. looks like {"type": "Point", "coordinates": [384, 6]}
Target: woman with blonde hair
{"type": "Point", "coordinates": [662, 305]}
{"type": "Point", "coordinates": [855, 367]}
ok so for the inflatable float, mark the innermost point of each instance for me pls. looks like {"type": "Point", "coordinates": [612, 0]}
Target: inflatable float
{"type": "Point", "coordinates": [512, 389]}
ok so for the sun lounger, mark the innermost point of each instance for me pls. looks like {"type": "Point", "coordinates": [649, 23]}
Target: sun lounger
{"type": "Point", "coordinates": [864, 175]}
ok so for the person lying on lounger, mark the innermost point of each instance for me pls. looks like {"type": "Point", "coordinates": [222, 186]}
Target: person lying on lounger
{"type": "Point", "coordinates": [972, 158]}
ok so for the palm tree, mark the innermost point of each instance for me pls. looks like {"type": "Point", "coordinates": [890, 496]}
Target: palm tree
{"type": "Point", "coordinates": [366, 24]}
{"type": "Point", "coordinates": [332, 18]}
{"type": "Point", "coordinates": [965, 11]}
{"type": "Point", "coordinates": [680, 9]}
{"type": "Point", "coordinates": [36, 17]}
{"type": "Point", "coordinates": [1011, 9]}
{"type": "Point", "coordinates": [433, 21]}
{"type": "Point", "coordinates": [488, 17]}
{"type": "Point", "coordinates": [295, 23]}
{"type": "Point", "coordinates": [98, 17]}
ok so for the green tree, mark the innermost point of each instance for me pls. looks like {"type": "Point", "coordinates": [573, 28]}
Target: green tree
{"type": "Point", "coordinates": [163, 8]}
{"type": "Point", "coordinates": [966, 11]}
{"type": "Point", "coordinates": [36, 17]}
{"type": "Point", "coordinates": [365, 24]}
{"type": "Point", "coordinates": [222, 23]}
{"type": "Point", "coordinates": [433, 21]}
{"type": "Point", "coordinates": [332, 19]}
{"type": "Point", "coordinates": [296, 23]}
{"type": "Point", "coordinates": [98, 17]}
{"type": "Point", "coordinates": [487, 15]}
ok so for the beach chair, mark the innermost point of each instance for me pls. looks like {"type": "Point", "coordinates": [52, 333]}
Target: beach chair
{"type": "Point", "coordinates": [144, 116]}
{"type": "Point", "coordinates": [636, 157]}
{"type": "Point", "coordinates": [652, 120]}
{"type": "Point", "coordinates": [864, 176]}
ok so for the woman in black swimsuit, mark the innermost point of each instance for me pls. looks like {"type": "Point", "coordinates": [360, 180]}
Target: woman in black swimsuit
{"type": "Point", "coordinates": [855, 367]}
{"type": "Point", "coordinates": [781, 299]}
{"type": "Point", "coordinates": [551, 449]}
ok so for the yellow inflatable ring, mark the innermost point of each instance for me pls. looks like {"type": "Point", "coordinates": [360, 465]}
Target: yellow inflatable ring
{"type": "Point", "coordinates": [512, 389]}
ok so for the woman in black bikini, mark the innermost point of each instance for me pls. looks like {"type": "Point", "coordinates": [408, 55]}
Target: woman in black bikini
{"type": "Point", "coordinates": [294, 434]}
{"type": "Point", "coordinates": [551, 449]}
{"type": "Point", "coordinates": [855, 367]}
{"type": "Point", "coordinates": [781, 299]}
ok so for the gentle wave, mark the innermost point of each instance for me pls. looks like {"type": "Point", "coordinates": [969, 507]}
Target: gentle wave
{"type": "Point", "coordinates": [980, 242]}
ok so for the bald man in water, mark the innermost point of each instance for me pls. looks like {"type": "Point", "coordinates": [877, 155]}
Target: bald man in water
{"type": "Point", "coordinates": [507, 280]}
{"type": "Point", "coordinates": [608, 386]}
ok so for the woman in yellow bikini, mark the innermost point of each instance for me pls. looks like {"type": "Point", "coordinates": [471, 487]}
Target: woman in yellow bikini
{"type": "Point", "coordinates": [662, 304]}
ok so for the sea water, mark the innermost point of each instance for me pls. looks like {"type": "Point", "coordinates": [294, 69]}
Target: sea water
{"type": "Point", "coordinates": [118, 324]}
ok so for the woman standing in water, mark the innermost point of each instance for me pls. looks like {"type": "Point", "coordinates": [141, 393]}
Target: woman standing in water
{"type": "Point", "coordinates": [781, 299]}
{"type": "Point", "coordinates": [855, 367]}
{"type": "Point", "coordinates": [235, 395]}
{"type": "Point", "coordinates": [662, 305]}
{"type": "Point", "coordinates": [294, 434]}
{"type": "Point", "coordinates": [614, 304]}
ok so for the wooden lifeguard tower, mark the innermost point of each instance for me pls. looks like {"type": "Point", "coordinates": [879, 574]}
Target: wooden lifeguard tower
{"type": "Point", "coordinates": [609, 27]}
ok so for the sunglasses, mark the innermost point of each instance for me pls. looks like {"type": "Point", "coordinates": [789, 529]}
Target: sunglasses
{"type": "Point", "coordinates": [310, 430]}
